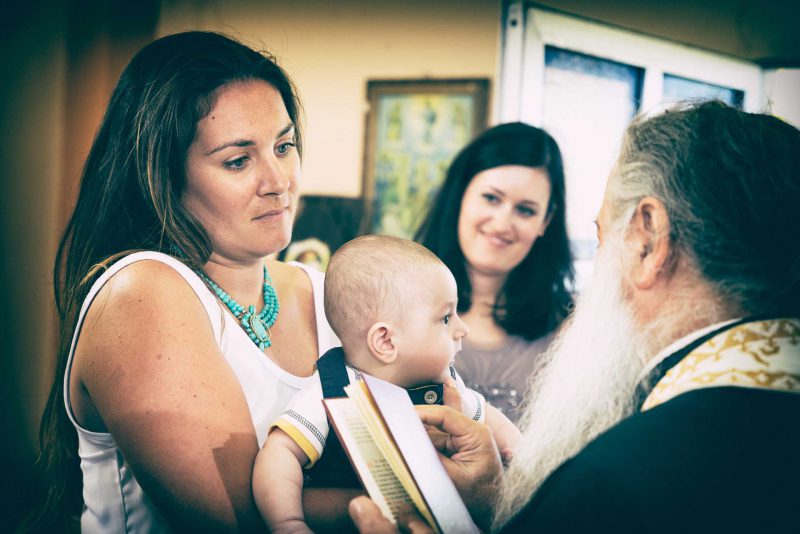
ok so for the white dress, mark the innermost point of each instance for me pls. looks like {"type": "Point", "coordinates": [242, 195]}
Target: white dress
{"type": "Point", "coordinates": [113, 499]}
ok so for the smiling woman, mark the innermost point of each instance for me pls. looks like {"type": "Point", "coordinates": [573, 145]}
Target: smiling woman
{"type": "Point", "coordinates": [499, 225]}
{"type": "Point", "coordinates": [503, 212]}
{"type": "Point", "coordinates": [179, 342]}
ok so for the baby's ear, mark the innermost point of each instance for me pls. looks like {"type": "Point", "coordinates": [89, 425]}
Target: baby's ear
{"type": "Point", "coordinates": [381, 342]}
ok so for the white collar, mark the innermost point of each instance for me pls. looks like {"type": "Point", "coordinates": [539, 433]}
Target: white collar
{"type": "Point", "coordinates": [680, 343]}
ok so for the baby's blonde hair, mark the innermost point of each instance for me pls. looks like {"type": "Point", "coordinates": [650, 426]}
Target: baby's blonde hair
{"type": "Point", "coordinates": [370, 279]}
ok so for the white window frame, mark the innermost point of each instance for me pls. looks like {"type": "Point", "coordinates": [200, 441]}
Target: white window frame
{"type": "Point", "coordinates": [524, 41]}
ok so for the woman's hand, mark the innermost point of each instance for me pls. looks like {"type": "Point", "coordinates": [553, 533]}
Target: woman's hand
{"type": "Point", "coordinates": [368, 519]}
{"type": "Point", "coordinates": [325, 509]}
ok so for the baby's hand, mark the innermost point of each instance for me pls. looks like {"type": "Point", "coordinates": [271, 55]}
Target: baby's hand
{"type": "Point", "coordinates": [452, 397]}
{"type": "Point", "coordinates": [444, 375]}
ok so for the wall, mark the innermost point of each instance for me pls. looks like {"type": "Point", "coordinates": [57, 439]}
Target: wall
{"type": "Point", "coordinates": [782, 93]}
{"type": "Point", "coordinates": [59, 59]}
{"type": "Point", "coordinates": [32, 60]}
{"type": "Point", "coordinates": [331, 49]}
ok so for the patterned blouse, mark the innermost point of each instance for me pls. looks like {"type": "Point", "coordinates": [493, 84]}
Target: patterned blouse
{"type": "Point", "coordinates": [501, 373]}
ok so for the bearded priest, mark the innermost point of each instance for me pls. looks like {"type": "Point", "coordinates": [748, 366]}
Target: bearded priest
{"type": "Point", "coordinates": [677, 383]}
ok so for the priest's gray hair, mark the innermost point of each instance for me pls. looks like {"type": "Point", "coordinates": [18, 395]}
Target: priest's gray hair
{"type": "Point", "coordinates": [730, 182]}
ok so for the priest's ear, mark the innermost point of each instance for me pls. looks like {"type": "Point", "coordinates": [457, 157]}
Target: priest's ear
{"type": "Point", "coordinates": [649, 242]}
{"type": "Point", "coordinates": [381, 342]}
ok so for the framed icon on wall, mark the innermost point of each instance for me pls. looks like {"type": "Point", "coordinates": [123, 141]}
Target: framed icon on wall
{"type": "Point", "coordinates": [414, 129]}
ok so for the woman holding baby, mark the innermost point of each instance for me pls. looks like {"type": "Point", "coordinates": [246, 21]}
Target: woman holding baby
{"type": "Point", "coordinates": [179, 343]}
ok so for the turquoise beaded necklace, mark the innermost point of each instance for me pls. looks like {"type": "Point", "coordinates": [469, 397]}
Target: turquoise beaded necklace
{"type": "Point", "coordinates": [256, 325]}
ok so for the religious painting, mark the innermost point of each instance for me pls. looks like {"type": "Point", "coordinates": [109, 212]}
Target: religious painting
{"type": "Point", "coordinates": [414, 129]}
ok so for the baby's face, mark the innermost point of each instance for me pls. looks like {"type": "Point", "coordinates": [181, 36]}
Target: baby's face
{"type": "Point", "coordinates": [431, 331]}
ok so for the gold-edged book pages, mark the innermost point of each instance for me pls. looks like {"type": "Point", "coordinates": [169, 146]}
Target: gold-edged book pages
{"type": "Point", "coordinates": [393, 456]}
{"type": "Point", "coordinates": [371, 466]}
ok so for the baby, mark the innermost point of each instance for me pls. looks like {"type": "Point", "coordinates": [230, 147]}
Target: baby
{"type": "Point", "coordinates": [392, 303]}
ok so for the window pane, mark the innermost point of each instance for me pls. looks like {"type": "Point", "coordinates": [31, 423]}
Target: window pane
{"type": "Point", "coordinates": [677, 88]}
{"type": "Point", "coordinates": [588, 103]}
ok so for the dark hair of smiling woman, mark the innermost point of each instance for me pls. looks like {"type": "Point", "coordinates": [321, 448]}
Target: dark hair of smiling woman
{"type": "Point", "coordinates": [535, 297]}
{"type": "Point", "coordinates": [130, 198]}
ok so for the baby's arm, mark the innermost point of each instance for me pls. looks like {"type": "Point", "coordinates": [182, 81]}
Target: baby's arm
{"type": "Point", "coordinates": [278, 483]}
{"type": "Point", "coordinates": [506, 435]}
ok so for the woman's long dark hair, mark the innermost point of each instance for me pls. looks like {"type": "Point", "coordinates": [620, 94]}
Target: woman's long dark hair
{"type": "Point", "coordinates": [535, 298]}
{"type": "Point", "coordinates": [129, 199]}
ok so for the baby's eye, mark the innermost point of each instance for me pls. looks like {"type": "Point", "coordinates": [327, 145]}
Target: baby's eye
{"type": "Point", "coordinates": [236, 164]}
{"type": "Point", "coordinates": [446, 318]}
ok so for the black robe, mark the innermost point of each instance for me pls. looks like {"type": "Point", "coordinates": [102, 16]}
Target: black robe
{"type": "Point", "coordinates": [717, 459]}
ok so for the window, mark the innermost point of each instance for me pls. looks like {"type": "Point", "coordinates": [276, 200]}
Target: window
{"type": "Point", "coordinates": [587, 103]}
{"type": "Point", "coordinates": [677, 88]}
{"type": "Point", "coordinates": [583, 82]}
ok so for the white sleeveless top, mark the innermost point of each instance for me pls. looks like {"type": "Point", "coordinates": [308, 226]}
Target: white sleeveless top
{"type": "Point", "coordinates": [113, 499]}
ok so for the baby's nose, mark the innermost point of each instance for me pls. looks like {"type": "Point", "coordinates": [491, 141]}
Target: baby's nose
{"type": "Point", "coordinates": [461, 328]}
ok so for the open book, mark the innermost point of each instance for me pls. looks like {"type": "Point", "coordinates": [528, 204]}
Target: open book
{"type": "Point", "coordinates": [393, 456]}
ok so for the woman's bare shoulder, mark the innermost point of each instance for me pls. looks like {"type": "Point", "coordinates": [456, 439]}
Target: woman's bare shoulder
{"type": "Point", "coordinates": [147, 296]}
{"type": "Point", "coordinates": [148, 283]}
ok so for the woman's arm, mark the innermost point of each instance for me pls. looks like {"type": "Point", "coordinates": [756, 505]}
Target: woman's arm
{"type": "Point", "coordinates": [151, 373]}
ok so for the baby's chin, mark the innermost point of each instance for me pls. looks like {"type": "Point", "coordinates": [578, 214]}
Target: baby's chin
{"type": "Point", "coordinates": [444, 375]}
{"type": "Point", "coordinates": [439, 379]}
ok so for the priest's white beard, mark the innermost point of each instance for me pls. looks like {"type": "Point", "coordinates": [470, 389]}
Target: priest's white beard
{"type": "Point", "coordinates": [585, 384]}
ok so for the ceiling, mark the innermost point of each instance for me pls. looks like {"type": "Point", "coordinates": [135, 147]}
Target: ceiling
{"type": "Point", "coordinates": [766, 32]}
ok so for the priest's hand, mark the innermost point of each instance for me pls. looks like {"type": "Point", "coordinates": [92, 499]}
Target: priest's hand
{"type": "Point", "coordinates": [469, 455]}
